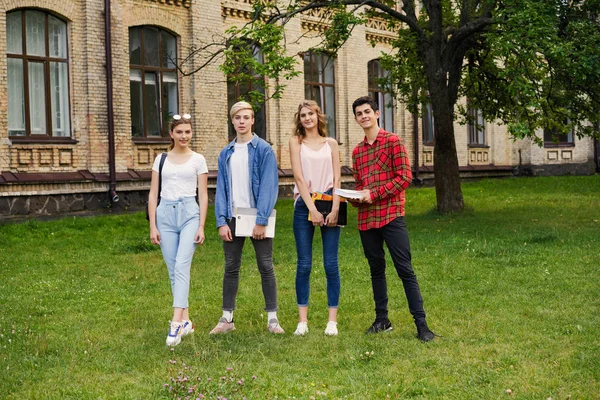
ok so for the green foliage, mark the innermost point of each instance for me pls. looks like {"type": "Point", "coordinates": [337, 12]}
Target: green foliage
{"type": "Point", "coordinates": [538, 68]}
{"type": "Point", "coordinates": [342, 22]}
{"type": "Point", "coordinates": [253, 57]}
{"type": "Point", "coordinates": [530, 64]}
{"type": "Point", "coordinates": [406, 74]}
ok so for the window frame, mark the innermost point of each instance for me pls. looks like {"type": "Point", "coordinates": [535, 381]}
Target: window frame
{"type": "Point", "coordinates": [552, 144]}
{"type": "Point", "coordinates": [427, 121]}
{"type": "Point", "coordinates": [159, 70]}
{"type": "Point", "coordinates": [376, 72]}
{"type": "Point", "coordinates": [46, 60]}
{"type": "Point", "coordinates": [474, 128]}
{"type": "Point", "coordinates": [325, 58]}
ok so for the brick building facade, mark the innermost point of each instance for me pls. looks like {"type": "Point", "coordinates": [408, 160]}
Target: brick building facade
{"type": "Point", "coordinates": [55, 117]}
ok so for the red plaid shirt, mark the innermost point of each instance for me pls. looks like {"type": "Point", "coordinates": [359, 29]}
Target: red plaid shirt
{"type": "Point", "coordinates": [384, 169]}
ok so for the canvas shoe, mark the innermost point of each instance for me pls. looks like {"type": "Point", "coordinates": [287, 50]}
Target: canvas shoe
{"type": "Point", "coordinates": [331, 329]}
{"type": "Point", "coordinates": [174, 336]}
{"type": "Point", "coordinates": [187, 328]}
{"type": "Point", "coordinates": [424, 333]}
{"type": "Point", "coordinates": [380, 325]}
{"type": "Point", "coordinates": [274, 326]}
{"type": "Point", "coordinates": [223, 327]}
{"type": "Point", "coordinates": [301, 329]}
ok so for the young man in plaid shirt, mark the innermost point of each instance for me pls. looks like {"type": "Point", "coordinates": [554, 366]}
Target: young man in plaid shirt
{"type": "Point", "coordinates": [382, 172]}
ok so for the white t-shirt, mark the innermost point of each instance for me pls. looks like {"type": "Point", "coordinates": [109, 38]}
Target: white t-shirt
{"type": "Point", "coordinates": [240, 176]}
{"type": "Point", "coordinates": [180, 180]}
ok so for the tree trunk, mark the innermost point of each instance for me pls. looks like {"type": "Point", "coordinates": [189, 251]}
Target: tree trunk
{"type": "Point", "coordinates": [439, 68]}
{"type": "Point", "coordinates": [447, 177]}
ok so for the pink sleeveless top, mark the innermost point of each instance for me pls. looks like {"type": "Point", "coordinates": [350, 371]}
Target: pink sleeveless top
{"type": "Point", "coordinates": [317, 169]}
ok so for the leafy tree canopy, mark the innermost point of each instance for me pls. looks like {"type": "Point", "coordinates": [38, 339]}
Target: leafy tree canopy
{"type": "Point", "coordinates": [530, 64]}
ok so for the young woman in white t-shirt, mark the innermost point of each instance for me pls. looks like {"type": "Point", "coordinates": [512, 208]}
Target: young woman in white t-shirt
{"type": "Point", "coordinates": [177, 223]}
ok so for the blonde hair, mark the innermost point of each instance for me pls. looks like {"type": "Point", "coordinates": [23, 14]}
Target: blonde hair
{"type": "Point", "coordinates": [239, 106]}
{"type": "Point", "coordinates": [321, 124]}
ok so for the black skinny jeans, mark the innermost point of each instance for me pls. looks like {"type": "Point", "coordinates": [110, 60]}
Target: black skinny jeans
{"type": "Point", "coordinates": [233, 263]}
{"type": "Point", "coordinates": [395, 236]}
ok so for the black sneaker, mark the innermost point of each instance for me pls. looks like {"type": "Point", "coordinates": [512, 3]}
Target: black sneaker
{"type": "Point", "coordinates": [380, 325]}
{"type": "Point", "coordinates": [424, 333]}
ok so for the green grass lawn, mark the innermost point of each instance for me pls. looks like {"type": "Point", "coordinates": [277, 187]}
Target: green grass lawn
{"type": "Point", "coordinates": [511, 286]}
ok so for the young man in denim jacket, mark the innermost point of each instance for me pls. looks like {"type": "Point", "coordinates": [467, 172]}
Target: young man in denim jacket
{"type": "Point", "coordinates": [247, 177]}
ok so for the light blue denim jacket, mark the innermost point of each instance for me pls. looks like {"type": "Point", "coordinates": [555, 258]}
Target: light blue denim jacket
{"type": "Point", "coordinates": [264, 181]}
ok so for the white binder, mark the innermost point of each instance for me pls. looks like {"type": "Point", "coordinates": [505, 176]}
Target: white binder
{"type": "Point", "coordinates": [245, 220]}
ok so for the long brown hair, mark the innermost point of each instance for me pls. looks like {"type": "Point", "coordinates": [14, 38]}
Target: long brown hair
{"type": "Point", "coordinates": [299, 130]}
{"type": "Point", "coordinates": [173, 124]}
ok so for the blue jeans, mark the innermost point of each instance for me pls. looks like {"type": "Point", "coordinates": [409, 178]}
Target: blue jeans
{"type": "Point", "coordinates": [177, 222]}
{"type": "Point", "coordinates": [304, 232]}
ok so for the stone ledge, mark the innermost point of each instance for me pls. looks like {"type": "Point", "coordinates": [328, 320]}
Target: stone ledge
{"type": "Point", "coordinates": [85, 175]}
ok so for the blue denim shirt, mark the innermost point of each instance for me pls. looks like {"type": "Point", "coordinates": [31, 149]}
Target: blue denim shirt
{"type": "Point", "coordinates": [264, 181]}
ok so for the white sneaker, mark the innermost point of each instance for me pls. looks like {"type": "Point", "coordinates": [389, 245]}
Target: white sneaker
{"type": "Point", "coordinates": [223, 327]}
{"type": "Point", "coordinates": [174, 336]}
{"type": "Point", "coordinates": [331, 329]}
{"type": "Point", "coordinates": [302, 329]}
{"type": "Point", "coordinates": [187, 328]}
{"type": "Point", "coordinates": [274, 326]}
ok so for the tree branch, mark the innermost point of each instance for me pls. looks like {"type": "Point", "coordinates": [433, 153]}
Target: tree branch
{"type": "Point", "coordinates": [206, 63]}
{"type": "Point", "coordinates": [411, 22]}
{"type": "Point", "coordinates": [409, 9]}
{"type": "Point", "coordinates": [469, 29]}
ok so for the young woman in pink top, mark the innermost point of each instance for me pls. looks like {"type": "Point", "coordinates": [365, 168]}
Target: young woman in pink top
{"type": "Point", "coordinates": [316, 167]}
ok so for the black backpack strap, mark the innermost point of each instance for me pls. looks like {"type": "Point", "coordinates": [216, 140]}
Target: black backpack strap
{"type": "Point", "coordinates": [163, 157]}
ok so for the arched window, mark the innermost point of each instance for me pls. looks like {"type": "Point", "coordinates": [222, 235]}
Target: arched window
{"type": "Point", "coordinates": [319, 85]}
{"type": "Point", "coordinates": [152, 81]}
{"type": "Point", "coordinates": [38, 75]}
{"type": "Point", "coordinates": [383, 97]}
{"type": "Point", "coordinates": [238, 90]}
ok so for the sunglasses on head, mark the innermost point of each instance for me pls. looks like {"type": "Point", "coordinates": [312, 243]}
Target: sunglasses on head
{"type": "Point", "coordinates": [177, 117]}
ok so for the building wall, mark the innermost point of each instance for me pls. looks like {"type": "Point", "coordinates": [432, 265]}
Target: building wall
{"type": "Point", "coordinates": [39, 178]}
